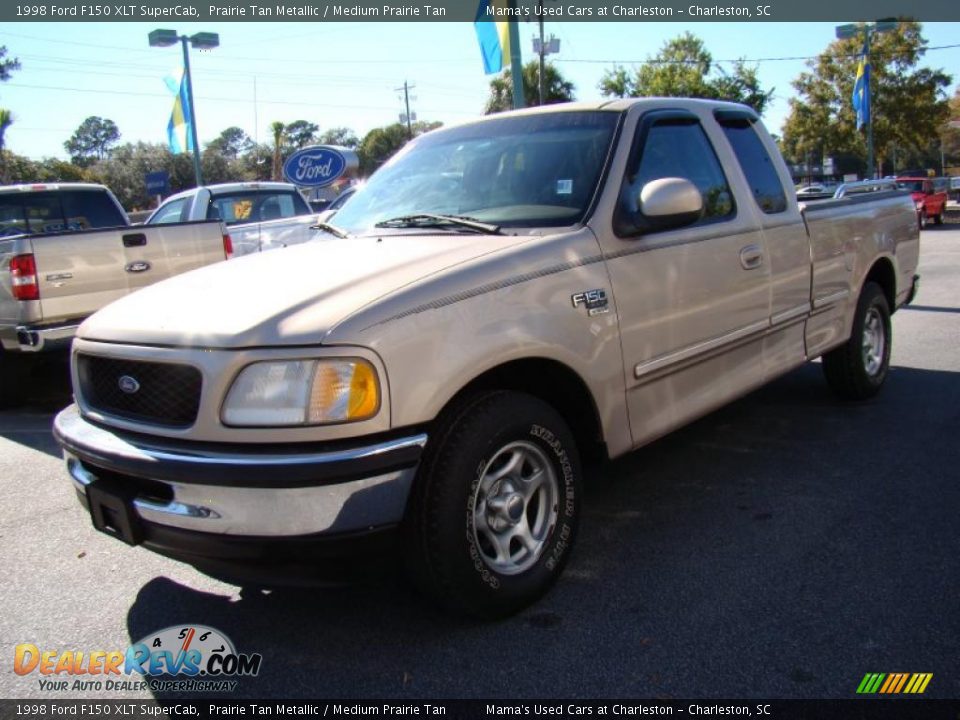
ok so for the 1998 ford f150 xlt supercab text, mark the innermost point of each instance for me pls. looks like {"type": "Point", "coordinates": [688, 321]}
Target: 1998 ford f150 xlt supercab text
{"type": "Point", "coordinates": [515, 292]}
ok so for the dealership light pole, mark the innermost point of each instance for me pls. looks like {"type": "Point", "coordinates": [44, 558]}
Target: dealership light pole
{"type": "Point", "coordinates": [849, 31]}
{"type": "Point", "coordinates": [200, 41]}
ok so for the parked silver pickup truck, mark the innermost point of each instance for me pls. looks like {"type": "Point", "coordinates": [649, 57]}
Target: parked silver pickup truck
{"type": "Point", "coordinates": [515, 293]}
{"type": "Point", "coordinates": [51, 281]}
{"type": "Point", "coordinates": [260, 215]}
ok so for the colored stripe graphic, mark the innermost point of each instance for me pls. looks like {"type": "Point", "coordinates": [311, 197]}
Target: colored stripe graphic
{"type": "Point", "coordinates": [894, 683]}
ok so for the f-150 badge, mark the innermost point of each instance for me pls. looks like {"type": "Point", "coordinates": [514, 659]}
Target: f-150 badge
{"type": "Point", "coordinates": [595, 301]}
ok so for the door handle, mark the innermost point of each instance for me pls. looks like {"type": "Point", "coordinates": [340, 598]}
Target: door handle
{"type": "Point", "coordinates": [134, 240]}
{"type": "Point", "coordinates": [751, 257]}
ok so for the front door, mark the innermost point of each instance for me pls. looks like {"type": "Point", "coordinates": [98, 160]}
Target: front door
{"type": "Point", "coordinates": [694, 301]}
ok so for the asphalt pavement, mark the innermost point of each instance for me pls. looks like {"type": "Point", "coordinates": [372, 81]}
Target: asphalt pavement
{"type": "Point", "coordinates": [781, 547]}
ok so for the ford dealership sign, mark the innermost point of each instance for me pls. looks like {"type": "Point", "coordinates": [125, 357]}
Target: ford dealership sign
{"type": "Point", "coordinates": [318, 165]}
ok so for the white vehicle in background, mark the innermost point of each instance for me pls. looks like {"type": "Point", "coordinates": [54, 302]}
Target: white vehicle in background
{"type": "Point", "coordinates": [259, 215]}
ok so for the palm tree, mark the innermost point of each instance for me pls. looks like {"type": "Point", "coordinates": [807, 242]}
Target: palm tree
{"type": "Point", "coordinates": [6, 120]}
{"type": "Point", "coordinates": [278, 129]}
{"type": "Point", "coordinates": [556, 88]}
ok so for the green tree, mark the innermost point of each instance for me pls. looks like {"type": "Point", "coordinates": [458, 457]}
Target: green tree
{"type": "Point", "coordinates": [556, 88]}
{"type": "Point", "coordinates": [684, 68]}
{"type": "Point", "coordinates": [909, 105]}
{"type": "Point", "coordinates": [380, 144]}
{"type": "Point", "coordinates": [341, 136]}
{"type": "Point", "coordinates": [255, 162]}
{"type": "Point", "coordinates": [6, 120]}
{"type": "Point", "coordinates": [92, 141]}
{"type": "Point", "coordinates": [231, 143]}
{"type": "Point", "coordinates": [950, 135]}
{"type": "Point", "coordinates": [7, 65]}
{"type": "Point", "coordinates": [278, 129]}
{"type": "Point", "coordinates": [301, 133]}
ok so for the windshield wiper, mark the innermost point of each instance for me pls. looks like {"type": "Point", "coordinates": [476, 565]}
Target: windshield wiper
{"type": "Point", "coordinates": [433, 220]}
{"type": "Point", "coordinates": [332, 229]}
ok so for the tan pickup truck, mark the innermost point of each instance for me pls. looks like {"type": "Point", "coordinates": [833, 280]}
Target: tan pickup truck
{"type": "Point", "coordinates": [514, 293]}
{"type": "Point", "coordinates": [52, 279]}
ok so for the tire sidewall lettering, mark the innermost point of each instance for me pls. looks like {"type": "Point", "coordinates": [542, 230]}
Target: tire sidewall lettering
{"type": "Point", "coordinates": [561, 539]}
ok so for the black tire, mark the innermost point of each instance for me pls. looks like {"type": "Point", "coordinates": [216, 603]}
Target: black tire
{"type": "Point", "coordinates": [857, 369]}
{"type": "Point", "coordinates": [14, 373]}
{"type": "Point", "coordinates": [938, 218]}
{"type": "Point", "coordinates": [922, 219]}
{"type": "Point", "coordinates": [460, 512]}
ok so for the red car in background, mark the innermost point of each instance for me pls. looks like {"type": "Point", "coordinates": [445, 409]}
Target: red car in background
{"type": "Point", "coordinates": [931, 202]}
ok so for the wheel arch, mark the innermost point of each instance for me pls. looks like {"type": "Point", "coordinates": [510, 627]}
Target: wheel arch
{"type": "Point", "coordinates": [556, 384]}
{"type": "Point", "coordinates": [883, 273]}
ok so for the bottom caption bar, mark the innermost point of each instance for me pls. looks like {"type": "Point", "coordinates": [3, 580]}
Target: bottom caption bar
{"type": "Point", "coordinates": [858, 709]}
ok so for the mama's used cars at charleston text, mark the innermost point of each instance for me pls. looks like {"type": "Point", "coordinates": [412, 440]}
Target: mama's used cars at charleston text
{"type": "Point", "coordinates": [513, 293]}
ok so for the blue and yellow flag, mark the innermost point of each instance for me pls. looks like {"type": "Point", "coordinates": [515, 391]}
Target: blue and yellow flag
{"type": "Point", "coordinates": [179, 134]}
{"type": "Point", "coordinates": [861, 90]}
{"type": "Point", "coordinates": [493, 35]}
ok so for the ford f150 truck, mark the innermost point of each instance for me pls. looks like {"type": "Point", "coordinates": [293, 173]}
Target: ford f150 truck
{"type": "Point", "coordinates": [514, 293]}
{"type": "Point", "coordinates": [51, 281]}
{"type": "Point", "coordinates": [260, 215]}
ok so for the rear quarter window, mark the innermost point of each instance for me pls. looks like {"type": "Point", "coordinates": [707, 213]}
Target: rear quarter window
{"type": "Point", "coordinates": [756, 163]}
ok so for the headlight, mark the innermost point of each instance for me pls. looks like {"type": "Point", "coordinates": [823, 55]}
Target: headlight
{"type": "Point", "coordinates": [302, 392]}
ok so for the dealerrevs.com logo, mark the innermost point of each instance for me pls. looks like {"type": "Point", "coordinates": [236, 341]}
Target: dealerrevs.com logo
{"type": "Point", "coordinates": [180, 658]}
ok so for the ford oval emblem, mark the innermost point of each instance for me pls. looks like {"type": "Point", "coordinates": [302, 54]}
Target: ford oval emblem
{"type": "Point", "coordinates": [137, 267]}
{"type": "Point", "coordinates": [128, 385]}
{"type": "Point", "coordinates": [315, 166]}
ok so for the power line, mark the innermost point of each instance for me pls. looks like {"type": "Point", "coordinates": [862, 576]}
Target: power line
{"type": "Point", "coordinates": [744, 60]}
{"type": "Point", "coordinates": [225, 99]}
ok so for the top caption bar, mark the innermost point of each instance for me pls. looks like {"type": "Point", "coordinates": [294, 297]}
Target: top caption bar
{"type": "Point", "coordinates": [466, 10]}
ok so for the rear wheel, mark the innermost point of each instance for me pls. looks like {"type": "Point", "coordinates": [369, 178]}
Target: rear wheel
{"type": "Point", "coordinates": [857, 369]}
{"type": "Point", "coordinates": [938, 218]}
{"type": "Point", "coordinates": [494, 511]}
{"type": "Point", "coordinates": [922, 219]}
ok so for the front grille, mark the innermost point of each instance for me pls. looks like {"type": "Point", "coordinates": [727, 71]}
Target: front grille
{"type": "Point", "coordinates": [157, 393]}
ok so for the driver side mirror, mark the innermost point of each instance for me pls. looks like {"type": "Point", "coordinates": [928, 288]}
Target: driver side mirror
{"type": "Point", "coordinates": [667, 204]}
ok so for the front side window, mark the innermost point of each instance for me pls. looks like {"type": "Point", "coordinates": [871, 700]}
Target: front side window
{"type": "Point", "coordinates": [538, 170]}
{"type": "Point", "coordinates": [172, 212]}
{"type": "Point", "coordinates": [677, 148]}
{"type": "Point", "coordinates": [756, 164]}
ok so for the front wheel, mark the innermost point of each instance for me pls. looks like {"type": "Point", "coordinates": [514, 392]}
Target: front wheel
{"type": "Point", "coordinates": [494, 511]}
{"type": "Point", "coordinates": [856, 370]}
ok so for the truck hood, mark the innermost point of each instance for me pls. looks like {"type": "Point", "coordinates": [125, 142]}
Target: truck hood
{"type": "Point", "coordinates": [290, 296]}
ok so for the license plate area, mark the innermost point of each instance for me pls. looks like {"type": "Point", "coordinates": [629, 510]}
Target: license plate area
{"type": "Point", "coordinates": [112, 512]}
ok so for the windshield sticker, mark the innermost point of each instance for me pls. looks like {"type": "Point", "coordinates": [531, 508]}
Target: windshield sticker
{"type": "Point", "coordinates": [564, 187]}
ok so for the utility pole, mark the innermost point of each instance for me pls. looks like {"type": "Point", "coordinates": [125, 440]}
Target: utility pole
{"type": "Point", "coordinates": [542, 54]}
{"type": "Point", "coordinates": [406, 102]}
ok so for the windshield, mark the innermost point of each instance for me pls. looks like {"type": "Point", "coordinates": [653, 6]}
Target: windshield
{"type": "Point", "coordinates": [911, 185]}
{"type": "Point", "coordinates": [528, 171]}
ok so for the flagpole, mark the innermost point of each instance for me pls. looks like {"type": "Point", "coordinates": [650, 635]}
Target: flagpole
{"type": "Point", "coordinates": [869, 98]}
{"type": "Point", "coordinates": [193, 113]}
{"type": "Point", "coordinates": [516, 64]}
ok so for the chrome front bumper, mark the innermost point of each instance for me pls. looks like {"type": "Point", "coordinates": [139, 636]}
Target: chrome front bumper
{"type": "Point", "coordinates": [239, 491]}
